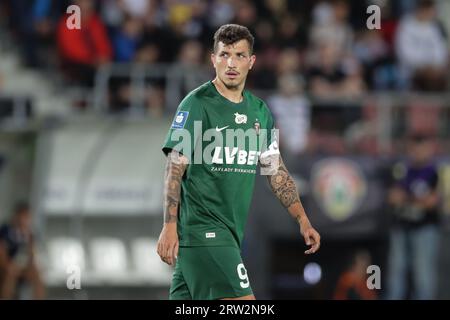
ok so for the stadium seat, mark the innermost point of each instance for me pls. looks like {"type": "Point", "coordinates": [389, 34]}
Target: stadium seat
{"type": "Point", "coordinates": [65, 252]}
{"type": "Point", "coordinates": [108, 257]}
{"type": "Point", "coordinates": [147, 263]}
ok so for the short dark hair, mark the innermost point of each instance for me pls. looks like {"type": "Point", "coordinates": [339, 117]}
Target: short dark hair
{"type": "Point", "coordinates": [418, 137]}
{"type": "Point", "coordinates": [231, 33]}
{"type": "Point", "coordinates": [339, 2]}
{"type": "Point", "coordinates": [425, 4]}
{"type": "Point", "coordinates": [21, 207]}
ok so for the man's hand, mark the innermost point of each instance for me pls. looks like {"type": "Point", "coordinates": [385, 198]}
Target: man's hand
{"type": "Point", "coordinates": [429, 201]}
{"type": "Point", "coordinates": [311, 236]}
{"type": "Point", "coordinates": [397, 196]}
{"type": "Point", "coordinates": [168, 239]}
{"type": "Point", "coordinates": [168, 243]}
{"type": "Point", "coordinates": [283, 186]}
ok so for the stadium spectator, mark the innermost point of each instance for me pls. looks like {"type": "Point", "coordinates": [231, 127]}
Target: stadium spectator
{"type": "Point", "coordinates": [127, 39]}
{"type": "Point", "coordinates": [273, 9]}
{"type": "Point", "coordinates": [111, 14]}
{"type": "Point", "coordinates": [17, 256]}
{"type": "Point", "coordinates": [246, 13]}
{"type": "Point", "coordinates": [33, 22]}
{"type": "Point", "coordinates": [153, 43]}
{"type": "Point", "coordinates": [422, 50]}
{"type": "Point", "coordinates": [289, 32]}
{"type": "Point", "coordinates": [373, 52]}
{"type": "Point", "coordinates": [186, 73]}
{"type": "Point", "coordinates": [331, 26]}
{"type": "Point", "coordinates": [188, 19]}
{"type": "Point", "coordinates": [443, 12]}
{"type": "Point", "coordinates": [83, 50]}
{"type": "Point", "coordinates": [389, 23]}
{"type": "Point", "coordinates": [291, 109]}
{"type": "Point", "coordinates": [414, 237]}
{"type": "Point", "coordinates": [135, 8]}
{"type": "Point", "coordinates": [332, 75]}
{"type": "Point", "coordinates": [352, 284]}
{"type": "Point", "coordinates": [197, 27]}
{"type": "Point", "coordinates": [265, 35]}
{"type": "Point", "coordinates": [361, 137]}
{"type": "Point", "coordinates": [220, 12]}
{"type": "Point", "coordinates": [381, 70]}
{"type": "Point", "coordinates": [288, 62]}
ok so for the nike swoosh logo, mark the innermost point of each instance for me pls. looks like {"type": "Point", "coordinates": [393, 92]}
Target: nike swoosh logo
{"type": "Point", "coordinates": [220, 129]}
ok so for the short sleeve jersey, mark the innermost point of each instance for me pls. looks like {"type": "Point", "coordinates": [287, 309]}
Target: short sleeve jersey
{"type": "Point", "coordinates": [224, 142]}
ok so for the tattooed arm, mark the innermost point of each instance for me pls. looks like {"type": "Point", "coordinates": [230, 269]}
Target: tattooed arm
{"type": "Point", "coordinates": [283, 186]}
{"type": "Point", "coordinates": [168, 239]}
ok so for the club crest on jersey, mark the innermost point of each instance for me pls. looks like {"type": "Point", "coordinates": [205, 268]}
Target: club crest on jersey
{"type": "Point", "coordinates": [240, 118]}
{"type": "Point", "coordinates": [180, 120]}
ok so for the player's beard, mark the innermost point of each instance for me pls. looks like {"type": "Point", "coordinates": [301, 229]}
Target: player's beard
{"type": "Point", "coordinates": [232, 84]}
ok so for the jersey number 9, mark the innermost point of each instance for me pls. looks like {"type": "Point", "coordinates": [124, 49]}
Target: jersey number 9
{"type": "Point", "coordinates": [242, 273]}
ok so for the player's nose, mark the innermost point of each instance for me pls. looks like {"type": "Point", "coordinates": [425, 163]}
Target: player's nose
{"type": "Point", "coordinates": [231, 62]}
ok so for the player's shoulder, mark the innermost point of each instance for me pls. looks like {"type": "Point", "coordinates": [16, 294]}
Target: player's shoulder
{"type": "Point", "coordinates": [257, 102]}
{"type": "Point", "coordinates": [198, 94]}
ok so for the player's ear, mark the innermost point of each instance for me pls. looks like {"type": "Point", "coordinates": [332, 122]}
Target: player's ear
{"type": "Point", "coordinates": [213, 59]}
{"type": "Point", "coordinates": [252, 61]}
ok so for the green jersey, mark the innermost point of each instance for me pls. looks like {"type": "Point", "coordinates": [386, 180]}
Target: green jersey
{"type": "Point", "coordinates": [224, 142]}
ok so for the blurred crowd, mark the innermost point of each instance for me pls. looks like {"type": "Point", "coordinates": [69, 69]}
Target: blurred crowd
{"type": "Point", "coordinates": [316, 59]}
{"type": "Point", "coordinates": [309, 55]}
{"type": "Point", "coordinates": [326, 42]}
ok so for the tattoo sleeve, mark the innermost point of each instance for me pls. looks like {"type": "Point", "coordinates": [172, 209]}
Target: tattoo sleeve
{"type": "Point", "coordinates": [283, 186]}
{"type": "Point", "coordinates": [175, 167]}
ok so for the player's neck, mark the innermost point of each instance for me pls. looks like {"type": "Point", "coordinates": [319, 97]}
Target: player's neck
{"type": "Point", "coordinates": [232, 95]}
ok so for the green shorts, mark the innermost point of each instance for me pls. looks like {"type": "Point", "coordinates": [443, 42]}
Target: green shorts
{"type": "Point", "coordinates": [208, 273]}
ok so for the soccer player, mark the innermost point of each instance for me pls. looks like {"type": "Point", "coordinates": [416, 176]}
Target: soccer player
{"type": "Point", "coordinates": [206, 203]}
{"type": "Point", "coordinates": [18, 256]}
